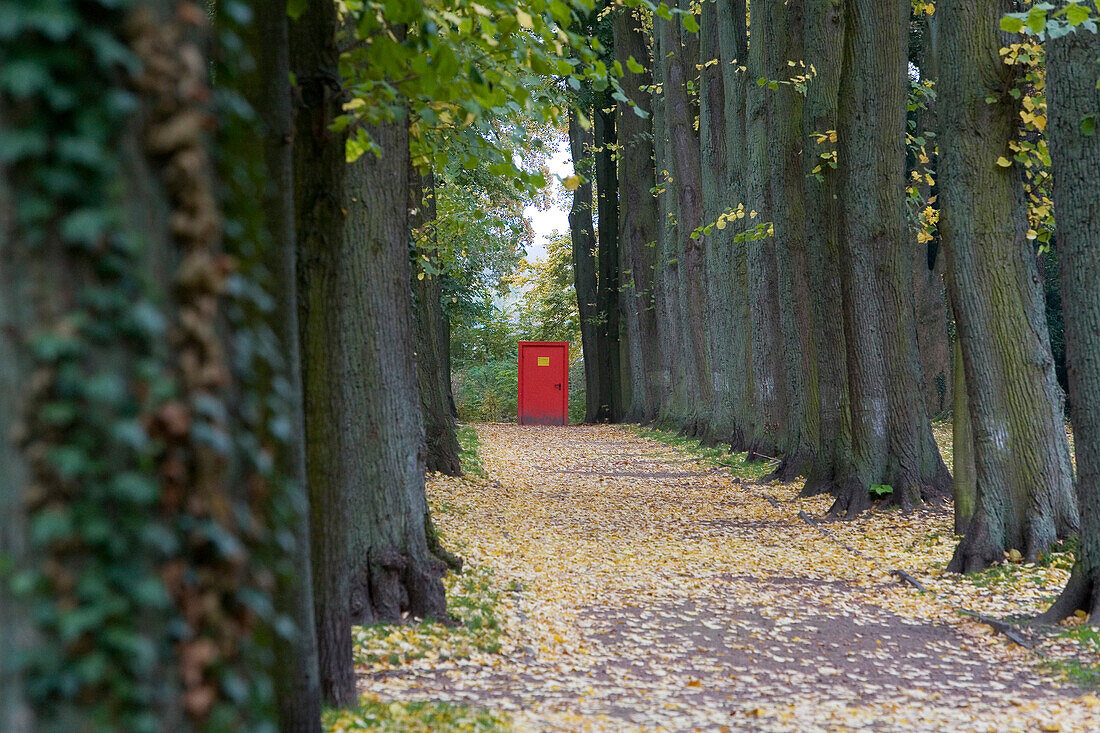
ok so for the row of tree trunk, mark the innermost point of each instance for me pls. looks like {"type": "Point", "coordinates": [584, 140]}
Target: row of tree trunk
{"type": "Point", "coordinates": [774, 295]}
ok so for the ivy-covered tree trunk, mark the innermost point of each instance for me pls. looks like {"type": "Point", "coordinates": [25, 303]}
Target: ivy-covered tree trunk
{"type": "Point", "coordinates": [1074, 107]}
{"type": "Point", "coordinates": [15, 317]}
{"type": "Point", "coordinates": [1023, 475]}
{"type": "Point", "coordinates": [393, 571]}
{"type": "Point", "coordinates": [891, 437]}
{"type": "Point", "coordinates": [607, 285]}
{"type": "Point", "coordinates": [432, 375]}
{"type": "Point", "coordinates": [638, 220]}
{"type": "Point", "coordinates": [319, 172]}
{"type": "Point", "coordinates": [760, 264]}
{"type": "Point", "coordinates": [732, 20]}
{"type": "Point", "coordinates": [823, 24]}
{"type": "Point", "coordinates": [798, 433]}
{"type": "Point", "coordinates": [583, 234]}
{"type": "Point", "coordinates": [295, 674]}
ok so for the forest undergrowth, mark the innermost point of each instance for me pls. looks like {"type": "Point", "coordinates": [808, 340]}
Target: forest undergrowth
{"type": "Point", "coordinates": [628, 579]}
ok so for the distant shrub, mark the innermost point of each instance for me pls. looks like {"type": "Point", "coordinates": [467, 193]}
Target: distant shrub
{"type": "Point", "coordinates": [487, 392]}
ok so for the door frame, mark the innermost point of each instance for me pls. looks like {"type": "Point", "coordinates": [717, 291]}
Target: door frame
{"type": "Point", "coordinates": [564, 378]}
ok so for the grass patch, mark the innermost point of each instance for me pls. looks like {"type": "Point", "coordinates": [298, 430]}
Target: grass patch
{"type": "Point", "coordinates": [373, 714]}
{"type": "Point", "coordinates": [468, 442]}
{"type": "Point", "coordinates": [473, 599]}
{"type": "Point", "coordinates": [709, 455]}
{"type": "Point", "coordinates": [1085, 674]}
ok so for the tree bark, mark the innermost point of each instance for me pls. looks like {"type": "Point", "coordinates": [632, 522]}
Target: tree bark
{"type": "Point", "coordinates": [962, 442]}
{"type": "Point", "coordinates": [718, 248]}
{"type": "Point", "coordinates": [1023, 475]}
{"type": "Point", "coordinates": [760, 264]}
{"type": "Point", "coordinates": [891, 436]}
{"type": "Point", "coordinates": [1073, 107]}
{"type": "Point", "coordinates": [638, 221]}
{"type": "Point", "coordinates": [319, 173]}
{"type": "Point", "coordinates": [393, 571]}
{"type": "Point", "coordinates": [798, 433]}
{"type": "Point", "coordinates": [671, 412]}
{"type": "Point", "coordinates": [679, 67]}
{"type": "Point", "coordinates": [431, 366]}
{"type": "Point", "coordinates": [297, 684]}
{"type": "Point", "coordinates": [733, 42]}
{"type": "Point", "coordinates": [824, 50]}
{"type": "Point", "coordinates": [584, 269]}
{"type": "Point", "coordinates": [607, 284]}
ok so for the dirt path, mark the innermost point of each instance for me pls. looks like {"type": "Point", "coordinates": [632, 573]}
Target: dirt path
{"type": "Point", "coordinates": [658, 593]}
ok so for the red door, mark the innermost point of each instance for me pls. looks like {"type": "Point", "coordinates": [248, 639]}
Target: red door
{"type": "Point", "coordinates": [543, 383]}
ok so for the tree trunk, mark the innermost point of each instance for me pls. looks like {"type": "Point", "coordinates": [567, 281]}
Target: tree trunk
{"type": "Point", "coordinates": [1022, 471]}
{"type": "Point", "coordinates": [431, 371]}
{"type": "Point", "coordinates": [798, 433]}
{"type": "Point", "coordinates": [1074, 106]}
{"type": "Point", "coordinates": [319, 172]}
{"type": "Point", "coordinates": [733, 42]}
{"type": "Point", "coordinates": [930, 296]}
{"type": "Point", "coordinates": [15, 317]}
{"type": "Point", "coordinates": [1023, 475]}
{"type": "Point", "coordinates": [717, 245]}
{"type": "Point", "coordinates": [638, 221]}
{"type": "Point", "coordinates": [584, 270]}
{"type": "Point", "coordinates": [760, 253]}
{"type": "Point", "coordinates": [823, 25]}
{"type": "Point", "coordinates": [679, 69]}
{"type": "Point", "coordinates": [891, 437]}
{"type": "Point", "coordinates": [607, 284]}
{"type": "Point", "coordinates": [297, 685]}
{"type": "Point", "coordinates": [962, 442]}
{"type": "Point", "coordinates": [393, 572]}
{"type": "Point", "coordinates": [671, 411]}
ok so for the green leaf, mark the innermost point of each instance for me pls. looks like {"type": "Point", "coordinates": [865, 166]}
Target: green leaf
{"type": "Point", "coordinates": [1088, 125]}
{"type": "Point", "coordinates": [1012, 24]}
{"type": "Point", "coordinates": [1037, 19]}
{"type": "Point", "coordinates": [134, 487]}
{"type": "Point", "coordinates": [1076, 14]}
{"type": "Point", "coordinates": [295, 8]}
{"type": "Point", "coordinates": [634, 66]}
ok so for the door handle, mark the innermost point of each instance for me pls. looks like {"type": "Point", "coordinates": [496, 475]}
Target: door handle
{"type": "Point", "coordinates": [558, 385]}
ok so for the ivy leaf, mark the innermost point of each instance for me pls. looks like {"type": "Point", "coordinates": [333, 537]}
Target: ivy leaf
{"type": "Point", "coordinates": [1012, 24]}
{"type": "Point", "coordinates": [1088, 125]}
{"type": "Point", "coordinates": [134, 487]}
{"type": "Point", "coordinates": [295, 8]}
{"type": "Point", "coordinates": [634, 66]}
{"type": "Point", "coordinates": [1076, 14]}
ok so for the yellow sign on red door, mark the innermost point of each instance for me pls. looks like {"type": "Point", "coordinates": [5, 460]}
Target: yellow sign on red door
{"type": "Point", "coordinates": [544, 361]}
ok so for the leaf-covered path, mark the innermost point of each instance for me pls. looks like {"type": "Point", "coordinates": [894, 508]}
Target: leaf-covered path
{"type": "Point", "coordinates": [649, 590]}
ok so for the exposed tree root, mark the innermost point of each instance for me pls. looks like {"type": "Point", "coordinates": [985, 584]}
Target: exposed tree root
{"type": "Point", "coordinates": [818, 485]}
{"type": "Point", "coordinates": [853, 498]}
{"type": "Point", "coordinates": [453, 561]}
{"type": "Point", "coordinates": [977, 550]}
{"type": "Point", "coordinates": [1082, 593]}
{"type": "Point", "coordinates": [396, 586]}
{"type": "Point", "coordinates": [791, 467]}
